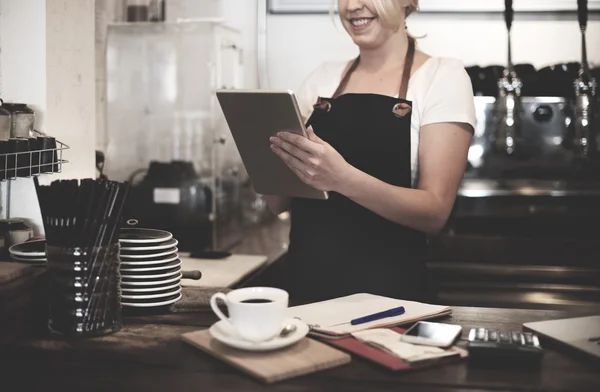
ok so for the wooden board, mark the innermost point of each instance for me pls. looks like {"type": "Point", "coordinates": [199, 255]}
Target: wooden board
{"type": "Point", "coordinates": [306, 356]}
{"type": "Point", "coordinates": [10, 271]}
{"type": "Point", "coordinates": [221, 272]}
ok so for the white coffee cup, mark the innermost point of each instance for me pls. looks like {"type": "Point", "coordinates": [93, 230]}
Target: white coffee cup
{"type": "Point", "coordinates": [255, 313]}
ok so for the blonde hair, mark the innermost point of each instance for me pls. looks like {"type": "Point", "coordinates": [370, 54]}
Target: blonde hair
{"type": "Point", "coordinates": [390, 11]}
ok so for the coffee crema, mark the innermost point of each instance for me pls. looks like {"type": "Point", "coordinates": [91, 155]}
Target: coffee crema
{"type": "Point", "coordinates": [256, 301]}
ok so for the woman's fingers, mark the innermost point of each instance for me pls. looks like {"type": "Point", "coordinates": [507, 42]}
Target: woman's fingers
{"type": "Point", "coordinates": [290, 148]}
{"type": "Point", "coordinates": [288, 158]}
{"type": "Point", "coordinates": [299, 141]}
{"type": "Point", "coordinates": [296, 165]}
{"type": "Point", "coordinates": [313, 136]}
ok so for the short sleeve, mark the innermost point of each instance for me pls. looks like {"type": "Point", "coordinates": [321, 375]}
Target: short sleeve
{"type": "Point", "coordinates": [307, 94]}
{"type": "Point", "coordinates": [321, 82]}
{"type": "Point", "coordinates": [450, 95]}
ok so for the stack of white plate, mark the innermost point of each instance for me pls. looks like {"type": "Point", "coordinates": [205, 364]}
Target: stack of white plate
{"type": "Point", "coordinates": [31, 252]}
{"type": "Point", "coordinates": [150, 268]}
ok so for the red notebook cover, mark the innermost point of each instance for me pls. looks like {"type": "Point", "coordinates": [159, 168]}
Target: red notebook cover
{"type": "Point", "coordinates": [374, 354]}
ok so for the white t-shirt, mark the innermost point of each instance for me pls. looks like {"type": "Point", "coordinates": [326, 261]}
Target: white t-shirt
{"type": "Point", "coordinates": [440, 91]}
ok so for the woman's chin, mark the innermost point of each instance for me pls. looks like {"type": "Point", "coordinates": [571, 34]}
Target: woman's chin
{"type": "Point", "coordinates": [364, 42]}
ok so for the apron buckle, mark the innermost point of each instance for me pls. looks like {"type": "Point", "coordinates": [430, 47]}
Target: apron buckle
{"type": "Point", "coordinates": [401, 109]}
{"type": "Point", "coordinates": [322, 105]}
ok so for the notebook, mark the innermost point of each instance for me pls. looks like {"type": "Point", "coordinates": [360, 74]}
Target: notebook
{"type": "Point", "coordinates": [331, 318]}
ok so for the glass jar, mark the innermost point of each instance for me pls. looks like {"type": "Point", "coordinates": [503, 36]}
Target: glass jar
{"type": "Point", "coordinates": [137, 10]}
{"type": "Point", "coordinates": [156, 11]}
{"type": "Point", "coordinates": [5, 122]}
{"type": "Point", "coordinates": [22, 120]}
{"type": "Point", "coordinates": [85, 290]}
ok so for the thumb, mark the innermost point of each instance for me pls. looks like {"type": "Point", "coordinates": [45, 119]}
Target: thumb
{"type": "Point", "coordinates": [312, 135]}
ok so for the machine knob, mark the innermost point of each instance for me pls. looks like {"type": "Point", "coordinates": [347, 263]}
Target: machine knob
{"type": "Point", "coordinates": [543, 113]}
{"type": "Point", "coordinates": [132, 222]}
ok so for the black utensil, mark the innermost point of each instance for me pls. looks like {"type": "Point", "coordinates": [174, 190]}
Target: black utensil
{"type": "Point", "coordinates": [48, 155]}
{"type": "Point", "coordinates": [35, 155]}
{"type": "Point", "coordinates": [81, 220]}
{"type": "Point", "coordinates": [195, 275]}
{"type": "Point", "coordinates": [19, 162]}
{"type": "Point", "coordinates": [3, 159]}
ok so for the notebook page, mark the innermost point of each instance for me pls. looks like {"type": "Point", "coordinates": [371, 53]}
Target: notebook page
{"type": "Point", "coordinates": [343, 309]}
{"type": "Point", "coordinates": [390, 342]}
{"type": "Point", "coordinates": [328, 314]}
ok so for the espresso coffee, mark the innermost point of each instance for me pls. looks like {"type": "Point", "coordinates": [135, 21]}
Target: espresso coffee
{"type": "Point", "coordinates": [256, 314]}
{"type": "Point", "coordinates": [256, 301]}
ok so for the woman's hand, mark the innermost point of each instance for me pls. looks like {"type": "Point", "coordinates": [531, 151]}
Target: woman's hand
{"type": "Point", "coordinates": [313, 160]}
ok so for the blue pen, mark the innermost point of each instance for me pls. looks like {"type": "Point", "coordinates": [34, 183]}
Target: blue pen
{"type": "Point", "coordinates": [377, 316]}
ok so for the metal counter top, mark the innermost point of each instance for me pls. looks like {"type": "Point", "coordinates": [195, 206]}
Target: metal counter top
{"type": "Point", "coordinates": [492, 188]}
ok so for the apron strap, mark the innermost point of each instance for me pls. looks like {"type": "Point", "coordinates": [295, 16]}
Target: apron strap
{"type": "Point", "coordinates": [408, 63]}
{"type": "Point", "coordinates": [344, 82]}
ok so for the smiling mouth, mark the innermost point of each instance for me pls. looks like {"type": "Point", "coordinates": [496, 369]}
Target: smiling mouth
{"type": "Point", "coordinates": [360, 22]}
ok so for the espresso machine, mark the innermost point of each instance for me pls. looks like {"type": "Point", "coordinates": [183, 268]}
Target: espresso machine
{"type": "Point", "coordinates": [524, 228]}
{"type": "Point", "coordinates": [534, 127]}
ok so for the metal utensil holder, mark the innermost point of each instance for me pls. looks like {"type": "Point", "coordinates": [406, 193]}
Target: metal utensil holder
{"type": "Point", "coordinates": [26, 164]}
{"type": "Point", "coordinates": [30, 164]}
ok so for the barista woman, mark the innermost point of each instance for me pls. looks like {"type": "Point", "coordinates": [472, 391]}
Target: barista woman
{"type": "Point", "coordinates": [388, 138]}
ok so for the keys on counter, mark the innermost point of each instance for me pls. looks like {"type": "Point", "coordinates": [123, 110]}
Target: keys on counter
{"type": "Point", "coordinates": [509, 345]}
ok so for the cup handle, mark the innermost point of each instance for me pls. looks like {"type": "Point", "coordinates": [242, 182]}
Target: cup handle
{"type": "Point", "coordinates": [215, 307]}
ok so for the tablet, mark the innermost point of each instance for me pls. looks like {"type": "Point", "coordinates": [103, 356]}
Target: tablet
{"type": "Point", "coordinates": [253, 116]}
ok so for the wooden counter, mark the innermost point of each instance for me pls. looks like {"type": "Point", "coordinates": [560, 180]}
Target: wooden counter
{"type": "Point", "coordinates": [148, 355]}
{"type": "Point", "coordinates": [151, 357]}
{"type": "Point", "coordinates": [269, 239]}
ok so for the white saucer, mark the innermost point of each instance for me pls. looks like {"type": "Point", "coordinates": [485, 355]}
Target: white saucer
{"type": "Point", "coordinates": [150, 248]}
{"type": "Point", "coordinates": [222, 332]}
{"type": "Point", "coordinates": [17, 250]}
{"type": "Point", "coordinates": [135, 289]}
{"type": "Point", "coordinates": [151, 296]}
{"type": "Point", "coordinates": [30, 259]}
{"type": "Point", "coordinates": [125, 282]}
{"type": "Point", "coordinates": [124, 271]}
{"type": "Point", "coordinates": [152, 276]}
{"type": "Point", "coordinates": [143, 236]}
{"type": "Point", "coordinates": [150, 262]}
{"type": "Point", "coordinates": [153, 304]}
{"type": "Point", "coordinates": [147, 256]}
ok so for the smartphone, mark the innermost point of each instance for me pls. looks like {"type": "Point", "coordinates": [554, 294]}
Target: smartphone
{"type": "Point", "coordinates": [432, 334]}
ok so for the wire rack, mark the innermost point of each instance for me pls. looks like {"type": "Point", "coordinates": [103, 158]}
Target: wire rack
{"type": "Point", "coordinates": [32, 163]}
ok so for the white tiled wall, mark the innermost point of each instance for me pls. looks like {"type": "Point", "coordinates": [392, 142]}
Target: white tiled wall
{"type": "Point", "coordinates": [70, 87]}
{"type": "Point", "coordinates": [48, 62]}
{"type": "Point", "coordinates": [298, 43]}
{"type": "Point", "coordinates": [23, 33]}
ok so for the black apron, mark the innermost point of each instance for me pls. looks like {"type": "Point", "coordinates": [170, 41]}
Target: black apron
{"type": "Point", "coordinates": [338, 247]}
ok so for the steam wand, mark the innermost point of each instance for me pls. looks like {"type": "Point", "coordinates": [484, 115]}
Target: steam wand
{"type": "Point", "coordinates": [508, 110]}
{"type": "Point", "coordinates": [584, 141]}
